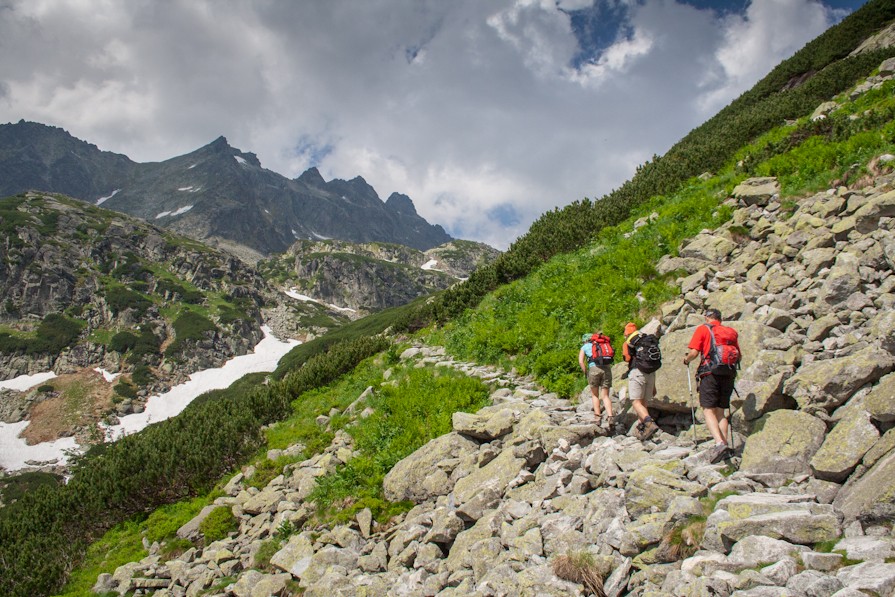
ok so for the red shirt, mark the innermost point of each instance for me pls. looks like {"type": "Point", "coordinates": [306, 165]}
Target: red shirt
{"type": "Point", "coordinates": [702, 340]}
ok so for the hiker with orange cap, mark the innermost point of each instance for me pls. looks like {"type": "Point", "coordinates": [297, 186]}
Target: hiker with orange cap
{"type": "Point", "coordinates": [641, 352]}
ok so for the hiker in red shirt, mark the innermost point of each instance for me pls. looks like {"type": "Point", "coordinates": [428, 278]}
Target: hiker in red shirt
{"type": "Point", "coordinates": [716, 374]}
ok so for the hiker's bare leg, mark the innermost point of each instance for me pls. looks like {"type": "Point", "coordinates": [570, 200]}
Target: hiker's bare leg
{"type": "Point", "coordinates": [640, 409]}
{"type": "Point", "coordinates": [607, 402]}
{"type": "Point", "coordinates": [596, 402]}
{"type": "Point", "coordinates": [717, 424]}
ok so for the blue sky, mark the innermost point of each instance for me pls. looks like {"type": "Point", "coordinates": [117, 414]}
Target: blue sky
{"type": "Point", "coordinates": [487, 113]}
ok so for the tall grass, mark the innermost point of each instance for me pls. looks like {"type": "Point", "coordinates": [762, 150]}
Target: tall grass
{"type": "Point", "coordinates": [405, 417]}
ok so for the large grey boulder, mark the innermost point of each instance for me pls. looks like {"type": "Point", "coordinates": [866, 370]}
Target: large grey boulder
{"type": "Point", "coordinates": [794, 526]}
{"type": "Point", "coordinates": [880, 206]}
{"type": "Point", "coordinates": [708, 246]}
{"type": "Point", "coordinates": [426, 473]}
{"type": "Point", "coordinates": [869, 577]}
{"type": "Point", "coordinates": [872, 495]}
{"type": "Point", "coordinates": [252, 583]}
{"type": "Point", "coordinates": [654, 487]}
{"type": "Point", "coordinates": [784, 444]}
{"type": "Point", "coordinates": [486, 425]}
{"type": "Point", "coordinates": [493, 477]}
{"type": "Point", "coordinates": [844, 447]}
{"type": "Point", "coordinates": [295, 556]}
{"type": "Point", "coordinates": [757, 191]}
{"type": "Point", "coordinates": [880, 403]}
{"type": "Point", "coordinates": [756, 550]}
{"type": "Point", "coordinates": [792, 518]}
{"type": "Point", "coordinates": [829, 383]}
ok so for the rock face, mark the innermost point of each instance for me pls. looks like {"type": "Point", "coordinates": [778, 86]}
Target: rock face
{"type": "Point", "coordinates": [370, 277]}
{"type": "Point", "coordinates": [215, 194]}
{"type": "Point", "coordinates": [121, 286]}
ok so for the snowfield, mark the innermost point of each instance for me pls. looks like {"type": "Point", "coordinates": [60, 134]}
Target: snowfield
{"type": "Point", "coordinates": [15, 453]}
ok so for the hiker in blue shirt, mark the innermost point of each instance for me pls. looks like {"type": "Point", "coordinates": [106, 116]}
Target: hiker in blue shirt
{"type": "Point", "coordinates": [598, 369]}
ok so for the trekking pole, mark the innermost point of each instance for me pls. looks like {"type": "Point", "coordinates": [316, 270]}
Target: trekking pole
{"type": "Point", "coordinates": [692, 408]}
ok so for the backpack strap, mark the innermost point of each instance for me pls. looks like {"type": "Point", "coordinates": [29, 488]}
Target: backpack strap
{"type": "Point", "coordinates": [707, 356]}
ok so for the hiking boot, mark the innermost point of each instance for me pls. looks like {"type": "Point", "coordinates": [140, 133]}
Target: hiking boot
{"type": "Point", "coordinates": [648, 429]}
{"type": "Point", "coordinates": [717, 453]}
{"type": "Point", "coordinates": [638, 431]}
{"type": "Point", "coordinates": [609, 423]}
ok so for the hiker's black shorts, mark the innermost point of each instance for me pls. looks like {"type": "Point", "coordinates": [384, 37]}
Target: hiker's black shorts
{"type": "Point", "coordinates": [715, 391]}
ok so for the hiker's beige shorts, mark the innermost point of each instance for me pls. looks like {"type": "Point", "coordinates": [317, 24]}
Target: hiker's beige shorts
{"type": "Point", "coordinates": [641, 385]}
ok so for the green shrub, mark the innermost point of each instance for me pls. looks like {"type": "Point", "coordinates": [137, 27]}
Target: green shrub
{"type": "Point", "coordinates": [125, 390]}
{"type": "Point", "coordinates": [265, 552]}
{"type": "Point", "coordinates": [162, 524]}
{"type": "Point", "coordinates": [54, 333]}
{"type": "Point", "coordinates": [266, 471]}
{"type": "Point", "coordinates": [178, 292]}
{"type": "Point", "coordinates": [45, 388]}
{"type": "Point", "coordinates": [122, 342]}
{"type": "Point", "coordinates": [142, 375]}
{"type": "Point", "coordinates": [120, 299]}
{"type": "Point", "coordinates": [14, 487]}
{"type": "Point", "coordinates": [189, 326]}
{"type": "Point", "coordinates": [219, 523]}
{"type": "Point", "coordinates": [228, 315]}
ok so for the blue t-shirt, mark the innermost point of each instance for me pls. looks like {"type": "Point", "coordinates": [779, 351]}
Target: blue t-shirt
{"type": "Point", "coordinates": [589, 353]}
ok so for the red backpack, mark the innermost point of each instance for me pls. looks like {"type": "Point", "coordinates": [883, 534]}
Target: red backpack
{"type": "Point", "coordinates": [723, 358]}
{"type": "Point", "coordinates": [601, 350]}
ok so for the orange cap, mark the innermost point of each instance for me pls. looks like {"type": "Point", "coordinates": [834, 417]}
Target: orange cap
{"type": "Point", "coordinates": [630, 328]}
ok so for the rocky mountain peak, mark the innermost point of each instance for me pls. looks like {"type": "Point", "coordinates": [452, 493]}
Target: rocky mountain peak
{"type": "Point", "coordinates": [401, 204]}
{"type": "Point", "coordinates": [219, 144]}
{"type": "Point", "coordinates": [312, 177]}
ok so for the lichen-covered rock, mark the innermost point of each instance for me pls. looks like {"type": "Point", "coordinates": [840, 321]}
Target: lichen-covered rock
{"type": "Point", "coordinates": [708, 247]}
{"type": "Point", "coordinates": [880, 403]}
{"type": "Point", "coordinates": [829, 383]}
{"type": "Point", "coordinates": [785, 443]}
{"type": "Point", "coordinates": [295, 556]}
{"type": "Point", "coordinates": [485, 425]}
{"type": "Point", "coordinates": [795, 526]}
{"type": "Point", "coordinates": [757, 191]}
{"type": "Point", "coordinates": [869, 577]}
{"type": "Point", "coordinates": [872, 495]}
{"type": "Point", "coordinates": [252, 583]}
{"type": "Point", "coordinates": [652, 486]}
{"type": "Point", "coordinates": [423, 474]}
{"type": "Point", "coordinates": [844, 447]}
{"type": "Point", "coordinates": [496, 476]}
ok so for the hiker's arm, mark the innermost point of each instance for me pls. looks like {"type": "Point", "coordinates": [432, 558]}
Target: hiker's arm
{"type": "Point", "coordinates": [691, 355]}
{"type": "Point", "coordinates": [581, 360]}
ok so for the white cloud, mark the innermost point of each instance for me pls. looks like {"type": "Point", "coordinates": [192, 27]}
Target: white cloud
{"type": "Point", "coordinates": [769, 31]}
{"type": "Point", "coordinates": [468, 107]}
